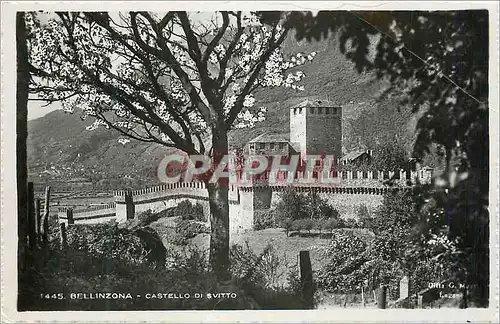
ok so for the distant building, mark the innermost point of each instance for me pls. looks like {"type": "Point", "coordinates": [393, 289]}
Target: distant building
{"type": "Point", "coordinates": [271, 144]}
{"type": "Point", "coordinates": [357, 157]}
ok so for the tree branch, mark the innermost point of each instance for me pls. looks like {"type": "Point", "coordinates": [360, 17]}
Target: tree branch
{"type": "Point", "coordinates": [272, 45]}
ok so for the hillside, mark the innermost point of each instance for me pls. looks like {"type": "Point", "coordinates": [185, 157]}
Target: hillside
{"type": "Point", "coordinates": [59, 144]}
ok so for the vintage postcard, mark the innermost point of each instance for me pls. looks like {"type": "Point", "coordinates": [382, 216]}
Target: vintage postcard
{"type": "Point", "coordinates": [250, 162]}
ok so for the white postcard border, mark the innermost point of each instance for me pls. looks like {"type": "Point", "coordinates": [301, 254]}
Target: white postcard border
{"type": "Point", "coordinates": [8, 174]}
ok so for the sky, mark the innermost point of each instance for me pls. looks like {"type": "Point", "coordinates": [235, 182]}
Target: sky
{"type": "Point", "coordinates": [37, 109]}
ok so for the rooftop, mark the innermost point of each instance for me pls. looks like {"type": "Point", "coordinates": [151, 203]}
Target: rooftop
{"type": "Point", "coordinates": [271, 137]}
{"type": "Point", "coordinates": [353, 155]}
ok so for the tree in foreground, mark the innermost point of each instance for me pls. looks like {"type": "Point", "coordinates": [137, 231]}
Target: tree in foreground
{"type": "Point", "coordinates": [22, 89]}
{"type": "Point", "coordinates": [439, 61]}
{"type": "Point", "coordinates": [174, 79]}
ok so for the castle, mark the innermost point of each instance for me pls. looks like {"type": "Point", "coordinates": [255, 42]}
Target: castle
{"type": "Point", "coordinates": [315, 128]}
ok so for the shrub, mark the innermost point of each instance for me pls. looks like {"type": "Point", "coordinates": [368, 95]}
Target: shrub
{"type": "Point", "coordinates": [350, 223]}
{"type": "Point", "coordinates": [73, 270]}
{"type": "Point", "coordinates": [319, 224]}
{"type": "Point", "coordinates": [169, 212]}
{"type": "Point", "coordinates": [295, 206]}
{"type": "Point", "coordinates": [308, 224]}
{"type": "Point", "coordinates": [287, 224]}
{"type": "Point", "coordinates": [107, 240]}
{"type": "Point", "coordinates": [317, 207]}
{"type": "Point", "coordinates": [187, 211]}
{"type": "Point", "coordinates": [148, 216]}
{"type": "Point", "coordinates": [259, 277]}
{"type": "Point", "coordinates": [345, 255]}
{"type": "Point", "coordinates": [364, 218]}
{"type": "Point", "coordinates": [53, 233]}
{"type": "Point", "coordinates": [292, 205]}
{"type": "Point", "coordinates": [189, 229]}
{"type": "Point", "coordinates": [330, 224]}
{"type": "Point", "coordinates": [260, 269]}
{"type": "Point", "coordinates": [264, 219]}
{"type": "Point", "coordinates": [297, 225]}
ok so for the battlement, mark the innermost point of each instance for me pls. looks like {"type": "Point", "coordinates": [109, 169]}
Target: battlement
{"type": "Point", "coordinates": [89, 209]}
{"type": "Point", "coordinates": [161, 188]}
{"type": "Point", "coordinates": [196, 189]}
{"type": "Point", "coordinates": [344, 189]}
{"type": "Point", "coordinates": [94, 214]}
{"type": "Point", "coordinates": [338, 178]}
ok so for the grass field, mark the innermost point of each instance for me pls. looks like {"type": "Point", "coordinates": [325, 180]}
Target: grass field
{"type": "Point", "coordinates": [287, 248]}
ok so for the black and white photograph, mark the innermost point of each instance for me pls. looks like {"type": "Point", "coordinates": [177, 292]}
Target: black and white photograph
{"type": "Point", "coordinates": [251, 159]}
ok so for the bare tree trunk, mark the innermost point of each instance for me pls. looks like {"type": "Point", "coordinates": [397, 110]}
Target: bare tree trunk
{"type": "Point", "coordinates": [38, 219]}
{"type": "Point", "coordinates": [23, 76]}
{"type": "Point", "coordinates": [219, 211]}
{"type": "Point", "coordinates": [22, 127]}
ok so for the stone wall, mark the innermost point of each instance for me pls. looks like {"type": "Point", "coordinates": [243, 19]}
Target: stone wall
{"type": "Point", "coordinates": [324, 131]}
{"type": "Point", "coordinates": [346, 192]}
{"type": "Point", "coordinates": [93, 215]}
{"type": "Point", "coordinates": [345, 203]}
{"type": "Point", "coordinates": [298, 129]}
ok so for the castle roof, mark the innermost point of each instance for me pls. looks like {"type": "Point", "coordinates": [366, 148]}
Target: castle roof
{"type": "Point", "coordinates": [271, 137]}
{"type": "Point", "coordinates": [314, 102]}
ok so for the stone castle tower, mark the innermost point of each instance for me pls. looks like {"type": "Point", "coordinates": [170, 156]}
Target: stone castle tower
{"type": "Point", "coordinates": [316, 128]}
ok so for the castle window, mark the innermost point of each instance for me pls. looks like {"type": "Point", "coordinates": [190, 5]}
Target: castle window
{"type": "Point", "coordinates": [320, 111]}
{"type": "Point", "coordinates": [271, 146]}
{"type": "Point", "coordinates": [327, 111]}
{"type": "Point", "coordinates": [252, 146]}
{"type": "Point", "coordinates": [262, 146]}
{"type": "Point", "coordinates": [312, 110]}
{"type": "Point", "coordinates": [334, 111]}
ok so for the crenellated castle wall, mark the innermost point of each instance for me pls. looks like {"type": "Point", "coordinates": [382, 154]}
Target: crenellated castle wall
{"type": "Point", "coordinates": [92, 215]}
{"type": "Point", "coordinates": [346, 191]}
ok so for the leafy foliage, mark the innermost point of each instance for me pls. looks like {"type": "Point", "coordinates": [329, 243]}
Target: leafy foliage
{"type": "Point", "coordinates": [187, 211]}
{"type": "Point", "coordinates": [148, 216]}
{"type": "Point", "coordinates": [107, 240]}
{"type": "Point", "coordinates": [345, 255]}
{"type": "Point", "coordinates": [294, 205]}
{"type": "Point", "coordinates": [189, 229]}
{"type": "Point", "coordinates": [439, 61]}
{"type": "Point", "coordinates": [264, 219]}
{"type": "Point", "coordinates": [364, 218]}
{"type": "Point", "coordinates": [395, 250]}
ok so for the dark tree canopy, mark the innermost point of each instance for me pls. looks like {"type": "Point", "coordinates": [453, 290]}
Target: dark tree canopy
{"type": "Point", "coordinates": [439, 61]}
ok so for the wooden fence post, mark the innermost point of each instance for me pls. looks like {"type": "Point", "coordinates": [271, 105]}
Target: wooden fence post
{"type": "Point", "coordinates": [37, 220]}
{"type": "Point", "coordinates": [45, 219]}
{"type": "Point", "coordinates": [382, 297]}
{"type": "Point", "coordinates": [306, 278]}
{"type": "Point", "coordinates": [69, 216]}
{"type": "Point", "coordinates": [420, 301]}
{"type": "Point", "coordinates": [63, 236]}
{"type": "Point", "coordinates": [404, 292]}
{"type": "Point", "coordinates": [31, 218]}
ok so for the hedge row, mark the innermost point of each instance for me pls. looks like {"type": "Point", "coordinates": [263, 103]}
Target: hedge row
{"type": "Point", "coordinates": [319, 224]}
